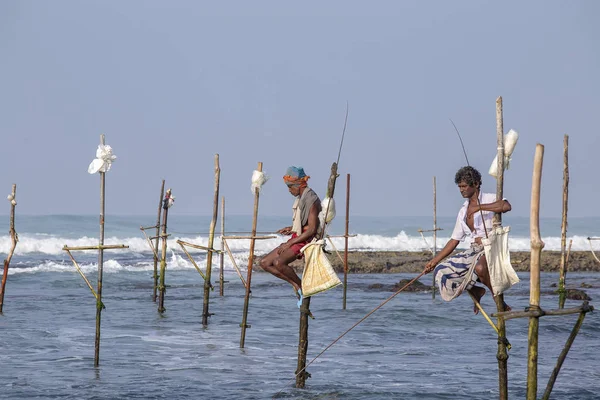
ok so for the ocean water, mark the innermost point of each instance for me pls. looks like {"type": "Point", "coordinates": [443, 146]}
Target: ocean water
{"type": "Point", "coordinates": [413, 347]}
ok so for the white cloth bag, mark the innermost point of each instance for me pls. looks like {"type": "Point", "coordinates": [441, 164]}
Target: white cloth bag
{"type": "Point", "coordinates": [502, 274]}
{"type": "Point", "coordinates": [318, 273]}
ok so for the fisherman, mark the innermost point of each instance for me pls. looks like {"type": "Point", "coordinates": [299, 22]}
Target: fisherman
{"type": "Point", "coordinates": [305, 225]}
{"type": "Point", "coordinates": [462, 270]}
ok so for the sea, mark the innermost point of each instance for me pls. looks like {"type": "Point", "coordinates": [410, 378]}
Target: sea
{"type": "Point", "coordinates": [416, 346]}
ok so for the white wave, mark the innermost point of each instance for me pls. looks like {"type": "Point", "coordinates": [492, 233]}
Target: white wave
{"type": "Point", "coordinates": [362, 242]}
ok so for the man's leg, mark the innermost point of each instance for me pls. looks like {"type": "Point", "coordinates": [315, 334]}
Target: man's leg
{"type": "Point", "coordinates": [277, 264]}
{"type": "Point", "coordinates": [481, 268]}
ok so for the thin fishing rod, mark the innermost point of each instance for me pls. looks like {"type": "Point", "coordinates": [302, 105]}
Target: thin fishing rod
{"type": "Point", "coordinates": [343, 133]}
{"type": "Point", "coordinates": [354, 326]}
{"type": "Point", "coordinates": [479, 188]}
{"type": "Point", "coordinates": [337, 163]}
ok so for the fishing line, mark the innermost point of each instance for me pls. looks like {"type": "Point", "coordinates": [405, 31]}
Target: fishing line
{"type": "Point", "coordinates": [354, 326]}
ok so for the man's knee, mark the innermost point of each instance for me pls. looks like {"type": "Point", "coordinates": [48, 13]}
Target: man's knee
{"type": "Point", "coordinates": [264, 264]}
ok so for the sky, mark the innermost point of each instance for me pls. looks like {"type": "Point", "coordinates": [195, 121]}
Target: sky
{"type": "Point", "coordinates": [172, 83]}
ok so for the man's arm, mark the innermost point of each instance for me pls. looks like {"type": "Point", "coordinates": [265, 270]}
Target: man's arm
{"type": "Point", "coordinates": [310, 230]}
{"type": "Point", "coordinates": [500, 206]}
{"type": "Point", "coordinates": [445, 252]}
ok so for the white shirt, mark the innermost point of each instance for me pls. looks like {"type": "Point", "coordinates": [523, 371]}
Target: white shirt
{"type": "Point", "coordinates": [461, 230]}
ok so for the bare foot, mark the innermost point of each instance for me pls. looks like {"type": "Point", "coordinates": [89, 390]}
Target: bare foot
{"type": "Point", "coordinates": [477, 293]}
{"type": "Point", "coordinates": [507, 307]}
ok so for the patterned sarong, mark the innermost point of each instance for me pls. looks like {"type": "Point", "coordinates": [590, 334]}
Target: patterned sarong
{"type": "Point", "coordinates": [457, 273]}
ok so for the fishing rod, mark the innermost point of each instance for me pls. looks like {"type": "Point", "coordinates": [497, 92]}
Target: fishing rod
{"type": "Point", "coordinates": [337, 163]}
{"type": "Point", "coordinates": [472, 178]}
{"type": "Point", "coordinates": [354, 326]}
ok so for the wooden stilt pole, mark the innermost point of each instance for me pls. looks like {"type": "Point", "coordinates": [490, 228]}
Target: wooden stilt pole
{"type": "Point", "coordinates": [502, 353]}
{"type": "Point", "coordinates": [303, 344]}
{"type": "Point", "coordinates": [99, 305]}
{"type": "Point", "coordinates": [244, 324]}
{"type": "Point", "coordinates": [434, 235]}
{"type": "Point", "coordinates": [222, 255]}
{"type": "Point", "coordinates": [562, 293]}
{"type": "Point", "coordinates": [163, 257]}
{"type": "Point", "coordinates": [536, 251]}
{"type": "Point", "coordinates": [14, 238]}
{"type": "Point", "coordinates": [155, 276]}
{"type": "Point", "coordinates": [346, 240]}
{"type": "Point", "coordinates": [211, 241]}
{"type": "Point", "coordinates": [305, 307]}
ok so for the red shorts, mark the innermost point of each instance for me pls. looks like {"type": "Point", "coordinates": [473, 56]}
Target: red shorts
{"type": "Point", "coordinates": [297, 246]}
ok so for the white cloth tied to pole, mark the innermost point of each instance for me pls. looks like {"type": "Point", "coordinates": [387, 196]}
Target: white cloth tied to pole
{"type": "Point", "coordinates": [502, 274]}
{"type": "Point", "coordinates": [327, 205]}
{"type": "Point", "coordinates": [103, 160]}
{"type": "Point", "coordinates": [510, 141]}
{"type": "Point", "coordinates": [318, 275]}
{"type": "Point", "coordinates": [258, 180]}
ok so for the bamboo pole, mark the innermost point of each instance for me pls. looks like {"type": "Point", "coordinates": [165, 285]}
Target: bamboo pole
{"type": "Point", "coordinates": [163, 257]}
{"type": "Point", "coordinates": [562, 293]}
{"type": "Point", "coordinates": [180, 243]}
{"type": "Point", "coordinates": [563, 355]}
{"type": "Point", "coordinates": [81, 272]}
{"type": "Point", "coordinates": [155, 250]}
{"type": "Point", "coordinates": [99, 305]}
{"type": "Point", "coordinates": [211, 241]}
{"type": "Point", "coordinates": [346, 240]}
{"type": "Point", "coordinates": [233, 262]}
{"type": "Point", "coordinates": [502, 353]}
{"type": "Point", "coordinates": [244, 324]}
{"type": "Point", "coordinates": [222, 255]}
{"type": "Point", "coordinates": [14, 238]}
{"type": "Point", "coordinates": [434, 236]}
{"type": "Point", "coordinates": [536, 250]}
{"type": "Point", "coordinates": [538, 312]}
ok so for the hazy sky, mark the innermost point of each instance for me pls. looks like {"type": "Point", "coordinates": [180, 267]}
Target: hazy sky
{"type": "Point", "coordinates": [172, 83]}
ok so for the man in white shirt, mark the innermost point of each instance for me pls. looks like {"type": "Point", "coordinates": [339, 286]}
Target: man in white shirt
{"type": "Point", "coordinates": [462, 270]}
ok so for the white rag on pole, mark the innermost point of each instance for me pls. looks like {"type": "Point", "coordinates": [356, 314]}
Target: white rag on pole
{"type": "Point", "coordinates": [502, 274]}
{"type": "Point", "coordinates": [327, 206]}
{"type": "Point", "coordinates": [258, 180]}
{"type": "Point", "coordinates": [510, 141]}
{"type": "Point", "coordinates": [103, 160]}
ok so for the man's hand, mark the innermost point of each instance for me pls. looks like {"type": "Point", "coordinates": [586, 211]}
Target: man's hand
{"type": "Point", "coordinates": [429, 267]}
{"type": "Point", "coordinates": [285, 231]}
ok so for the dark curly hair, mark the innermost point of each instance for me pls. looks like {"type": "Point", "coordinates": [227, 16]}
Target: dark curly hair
{"type": "Point", "coordinates": [469, 175]}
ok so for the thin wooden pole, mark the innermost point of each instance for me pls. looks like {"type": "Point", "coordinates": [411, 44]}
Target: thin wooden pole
{"type": "Point", "coordinates": [244, 324]}
{"type": "Point", "coordinates": [301, 374]}
{"type": "Point", "coordinates": [99, 305]}
{"type": "Point", "coordinates": [536, 251]}
{"type": "Point", "coordinates": [163, 257]}
{"type": "Point", "coordinates": [155, 276]}
{"type": "Point", "coordinates": [563, 356]}
{"type": "Point", "coordinates": [211, 241]}
{"type": "Point", "coordinates": [562, 293]}
{"type": "Point", "coordinates": [434, 234]}
{"type": "Point", "coordinates": [222, 255]}
{"type": "Point", "coordinates": [502, 353]}
{"type": "Point", "coordinates": [14, 238]}
{"type": "Point", "coordinates": [346, 240]}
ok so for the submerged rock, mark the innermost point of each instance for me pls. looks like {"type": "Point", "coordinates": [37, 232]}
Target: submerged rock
{"type": "Point", "coordinates": [576, 294]}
